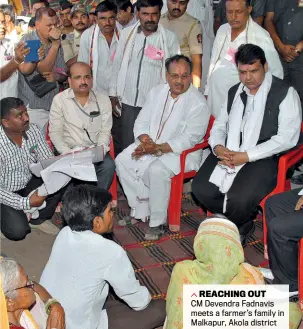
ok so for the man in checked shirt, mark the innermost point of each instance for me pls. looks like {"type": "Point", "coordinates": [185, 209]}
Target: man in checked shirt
{"type": "Point", "coordinates": [21, 144]}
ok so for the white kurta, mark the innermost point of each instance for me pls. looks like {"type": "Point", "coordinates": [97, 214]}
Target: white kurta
{"type": "Point", "coordinates": [186, 122]}
{"type": "Point", "coordinates": [223, 73]}
{"type": "Point", "coordinates": [202, 10]}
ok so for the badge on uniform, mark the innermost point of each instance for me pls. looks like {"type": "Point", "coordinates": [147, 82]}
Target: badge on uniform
{"type": "Point", "coordinates": [199, 38]}
{"type": "Point", "coordinates": [300, 3]}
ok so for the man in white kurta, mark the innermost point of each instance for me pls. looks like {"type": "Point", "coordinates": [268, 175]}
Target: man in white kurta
{"type": "Point", "coordinates": [173, 119]}
{"type": "Point", "coordinates": [139, 64]}
{"type": "Point", "coordinates": [240, 29]}
{"type": "Point", "coordinates": [202, 10]}
{"type": "Point", "coordinates": [98, 46]}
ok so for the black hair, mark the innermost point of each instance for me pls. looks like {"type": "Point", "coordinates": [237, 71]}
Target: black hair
{"type": "Point", "coordinates": [41, 1]}
{"type": "Point", "coordinates": [105, 6]}
{"type": "Point", "coordinates": [178, 58]}
{"type": "Point", "coordinates": [44, 11]}
{"type": "Point", "coordinates": [65, 5]}
{"type": "Point", "coordinates": [8, 10]}
{"type": "Point", "coordinates": [32, 22]}
{"type": "Point", "coordinates": [69, 70]}
{"type": "Point", "coordinates": [250, 54]}
{"type": "Point", "coordinates": [124, 4]}
{"type": "Point", "coordinates": [149, 3]}
{"type": "Point", "coordinates": [247, 2]}
{"type": "Point", "coordinates": [7, 104]}
{"type": "Point", "coordinates": [81, 204]}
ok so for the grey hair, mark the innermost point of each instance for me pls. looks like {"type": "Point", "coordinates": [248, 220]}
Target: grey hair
{"type": "Point", "coordinates": [10, 274]}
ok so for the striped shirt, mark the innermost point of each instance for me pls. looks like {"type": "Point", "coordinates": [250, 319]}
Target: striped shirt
{"type": "Point", "coordinates": [24, 91]}
{"type": "Point", "coordinates": [14, 165]}
{"type": "Point", "coordinates": [143, 72]}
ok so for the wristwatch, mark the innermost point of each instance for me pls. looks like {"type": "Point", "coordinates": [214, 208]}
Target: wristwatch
{"type": "Point", "coordinates": [159, 152]}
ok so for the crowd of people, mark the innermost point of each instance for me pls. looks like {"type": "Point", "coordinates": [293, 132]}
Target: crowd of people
{"type": "Point", "coordinates": [147, 77]}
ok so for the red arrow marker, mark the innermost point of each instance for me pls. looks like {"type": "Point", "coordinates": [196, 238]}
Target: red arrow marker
{"type": "Point", "coordinates": [194, 294]}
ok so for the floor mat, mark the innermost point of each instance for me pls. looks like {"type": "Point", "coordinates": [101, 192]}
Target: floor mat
{"type": "Point", "coordinates": [154, 261]}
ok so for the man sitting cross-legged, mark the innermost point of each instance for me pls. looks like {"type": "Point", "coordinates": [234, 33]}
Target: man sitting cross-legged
{"type": "Point", "coordinates": [22, 144]}
{"type": "Point", "coordinates": [260, 119]}
{"type": "Point", "coordinates": [83, 264]}
{"type": "Point", "coordinates": [173, 119]}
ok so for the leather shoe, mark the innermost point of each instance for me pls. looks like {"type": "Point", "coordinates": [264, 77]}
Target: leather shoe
{"type": "Point", "coordinates": [298, 180]}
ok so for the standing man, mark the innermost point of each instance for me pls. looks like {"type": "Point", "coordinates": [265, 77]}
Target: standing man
{"type": "Point", "coordinates": [240, 29]}
{"type": "Point", "coordinates": [125, 15]}
{"type": "Point", "coordinates": [66, 27]}
{"type": "Point", "coordinates": [36, 4]}
{"type": "Point", "coordinates": [81, 118]}
{"type": "Point", "coordinates": [260, 119]}
{"type": "Point", "coordinates": [257, 13]}
{"type": "Point", "coordinates": [284, 23]}
{"type": "Point", "coordinates": [98, 46]}
{"type": "Point", "coordinates": [80, 20]}
{"type": "Point", "coordinates": [46, 73]}
{"type": "Point", "coordinates": [189, 33]}
{"type": "Point", "coordinates": [10, 60]}
{"type": "Point", "coordinates": [64, 15]}
{"type": "Point", "coordinates": [139, 64]}
{"type": "Point", "coordinates": [173, 119]}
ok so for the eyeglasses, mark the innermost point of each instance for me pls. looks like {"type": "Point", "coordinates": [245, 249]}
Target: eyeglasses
{"type": "Point", "coordinates": [29, 285]}
{"type": "Point", "coordinates": [175, 76]}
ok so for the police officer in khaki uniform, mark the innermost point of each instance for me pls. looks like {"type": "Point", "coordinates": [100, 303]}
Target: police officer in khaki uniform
{"type": "Point", "coordinates": [80, 21]}
{"type": "Point", "coordinates": [189, 33]}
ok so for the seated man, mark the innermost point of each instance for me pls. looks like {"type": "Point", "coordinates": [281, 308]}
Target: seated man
{"type": "Point", "coordinates": [284, 214]}
{"type": "Point", "coordinates": [260, 119]}
{"type": "Point", "coordinates": [80, 117]}
{"type": "Point", "coordinates": [22, 144]}
{"type": "Point", "coordinates": [174, 118]}
{"type": "Point", "coordinates": [28, 305]}
{"type": "Point", "coordinates": [83, 264]}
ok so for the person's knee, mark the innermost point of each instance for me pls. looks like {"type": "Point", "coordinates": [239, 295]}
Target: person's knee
{"type": "Point", "coordinates": [109, 166]}
{"type": "Point", "coordinates": [271, 203]}
{"type": "Point", "coordinates": [158, 309]}
{"type": "Point", "coordinates": [158, 171]}
{"type": "Point", "coordinates": [17, 233]}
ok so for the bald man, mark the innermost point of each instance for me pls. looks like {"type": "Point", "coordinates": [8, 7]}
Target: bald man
{"type": "Point", "coordinates": [80, 118]}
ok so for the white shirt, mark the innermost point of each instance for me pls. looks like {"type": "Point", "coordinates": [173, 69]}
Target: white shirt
{"type": "Point", "coordinates": [69, 127]}
{"type": "Point", "coordinates": [9, 87]}
{"type": "Point", "coordinates": [289, 121]}
{"type": "Point", "coordinates": [143, 72]}
{"type": "Point", "coordinates": [79, 271]}
{"type": "Point", "coordinates": [130, 23]}
{"type": "Point", "coordinates": [105, 59]}
{"type": "Point", "coordinates": [225, 73]}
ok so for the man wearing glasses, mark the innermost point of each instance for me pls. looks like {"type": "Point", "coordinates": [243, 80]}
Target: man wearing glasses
{"type": "Point", "coordinates": [81, 118]}
{"type": "Point", "coordinates": [173, 119]}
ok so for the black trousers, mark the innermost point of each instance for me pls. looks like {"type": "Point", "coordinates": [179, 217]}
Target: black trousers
{"type": "Point", "coordinates": [293, 74]}
{"type": "Point", "coordinates": [14, 223]}
{"type": "Point", "coordinates": [253, 182]}
{"type": "Point", "coordinates": [128, 117]}
{"type": "Point", "coordinates": [116, 133]}
{"type": "Point", "coordinates": [285, 229]}
{"type": "Point", "coordinates": [121, 316]}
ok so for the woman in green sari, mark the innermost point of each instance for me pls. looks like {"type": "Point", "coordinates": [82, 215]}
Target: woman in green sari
{"type": "Point", "coordinates": [219, 260]}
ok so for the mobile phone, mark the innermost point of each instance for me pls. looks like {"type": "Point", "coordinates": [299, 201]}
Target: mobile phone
{"type": "Point", "coordinates": [34, 46]}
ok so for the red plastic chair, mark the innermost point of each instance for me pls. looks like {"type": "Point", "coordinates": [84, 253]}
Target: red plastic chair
{"type": "Point", "coordinates": [174, 207]}
{"type": "Point", "coordinates": [113, 188]}
{"type": "Point", "coordinates": [283, 184]}
{"type": "Point", "coordinates": [300, 274]}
